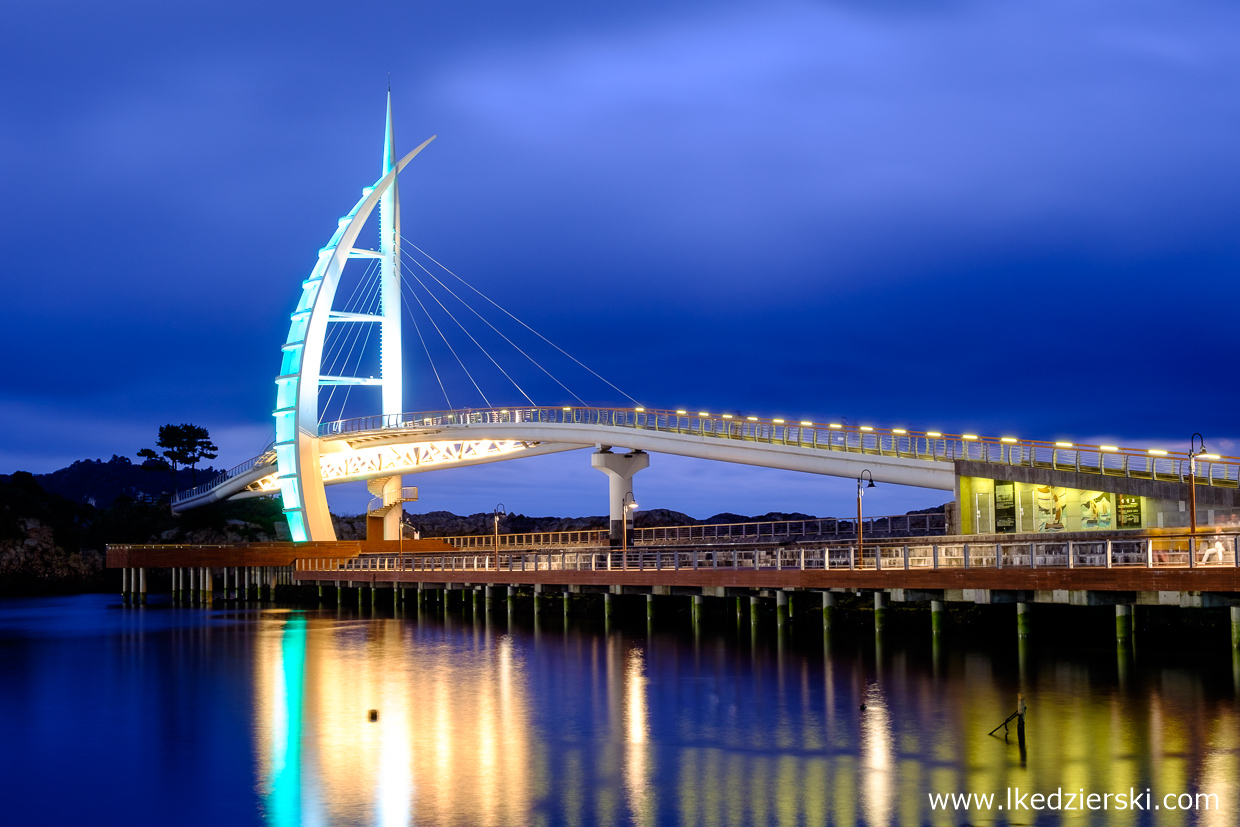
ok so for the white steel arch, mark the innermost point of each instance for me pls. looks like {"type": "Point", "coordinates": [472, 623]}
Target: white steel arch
{"type": "Point", "coordinates": [297, 387]}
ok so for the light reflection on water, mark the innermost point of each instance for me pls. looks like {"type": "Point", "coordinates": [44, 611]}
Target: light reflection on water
{"type": "Point", "coordinates": [261, 717]}
{"type": "Point", "coordinates": [481, 726]}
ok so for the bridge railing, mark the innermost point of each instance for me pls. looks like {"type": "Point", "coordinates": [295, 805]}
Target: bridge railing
{"type": "Point", "coordinates": [1148, 463]}
{"type": "Point", "coordinates": [1161, 551]}
{"type": "Point", "coordinates": [899, 525]}
{"type": "Point", "coordinates": [267, 457]}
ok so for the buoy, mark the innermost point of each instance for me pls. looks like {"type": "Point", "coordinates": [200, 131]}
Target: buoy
{"type": "Point", "coordinates": [372, 715]}
{"type": "Point", "coordinates": [863, 706]}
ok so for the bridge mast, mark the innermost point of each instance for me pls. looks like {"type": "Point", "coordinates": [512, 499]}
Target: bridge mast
{"type": "Point", "coordinates": [390, 361]}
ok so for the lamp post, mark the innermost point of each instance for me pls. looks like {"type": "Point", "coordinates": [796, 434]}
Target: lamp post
{"type": "Point", "coordinates": [499, 512]}
{"type": "Point", "coordinates": [1193, 452]}
{"type": "Point", "coordinates": [629, 504]}
{"type": "Point", "coordinates": [860, 491]}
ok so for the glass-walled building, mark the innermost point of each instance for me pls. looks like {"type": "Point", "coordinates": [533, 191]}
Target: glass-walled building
{"type": "Point", "coordinates": [1005, 507]}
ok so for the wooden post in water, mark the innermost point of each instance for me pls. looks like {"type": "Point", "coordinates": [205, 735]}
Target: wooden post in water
{"type": "Point", "coordinates": [1024, 620]}
{"type": "Point", "coordinates": [1123, 624]}
{"type": "Point", "coordinates": [936, 617]}
{"type": "Point", "coordinates": [880, 610]}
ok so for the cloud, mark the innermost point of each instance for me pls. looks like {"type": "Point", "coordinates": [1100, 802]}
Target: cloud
{"type": "Point", "coordinates": [819, 133]}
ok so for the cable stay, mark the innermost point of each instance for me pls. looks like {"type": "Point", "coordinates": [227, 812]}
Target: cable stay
{"type": "Point", "coordinates": [471, 337]}
{"type": "Point", "coordinates": [445, 341]}
{"type": "Point", "coordinates": [518, 321]}
{"type": "Point", "coordinates": [426, 350]}
{"type": "Point", "coordinates": [485, 321]}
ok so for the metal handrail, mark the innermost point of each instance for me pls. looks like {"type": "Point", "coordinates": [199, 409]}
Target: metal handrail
{"type": "Point", "coordinates": [267, 457]}
{"type": "Point", "coordinates": [1107, 460]}
{"type": "Point", "coordinates": [1215, 549]}
{"type": "Point", "coordinates": [1148, 463]}
{"type": "Point", "coordinates": [932, 522]}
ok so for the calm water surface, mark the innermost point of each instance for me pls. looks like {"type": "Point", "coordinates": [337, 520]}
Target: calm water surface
{"type": "Point", "coordinates": [165, 715]}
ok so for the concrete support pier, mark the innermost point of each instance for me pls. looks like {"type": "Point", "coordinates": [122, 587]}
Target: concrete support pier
{"type": "Point", "coordinates": [1024, 620]}
{"type": "Point", "coordinates": [698, 603]}
{"type": "Point", "coordinates": [607, 608]}
{"type": "Point", "coordinates": [1235, 627]}
{"type": "Point", "coordinates": [880, 610]}
{"type": "Point", "coordinates": [936, 617]}
{"type": "Point", "coordinates": [781, 608]}
{"type": "Point", "coordinates": [141, 585]}
{"type": "Point", "coordinates": [753, 610]}
{"type": "Point", "coordinates": [828, 610]}
{"type": "Point", "coordinates": [619, 469]}
{"type": "Point", "coordinates": [1123, 624]}
{"type": "Point", "coordinates": [649, 607]}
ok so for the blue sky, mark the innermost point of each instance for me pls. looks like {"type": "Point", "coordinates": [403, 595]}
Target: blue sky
{"type": "Point", "coordinates": [1016, 218]}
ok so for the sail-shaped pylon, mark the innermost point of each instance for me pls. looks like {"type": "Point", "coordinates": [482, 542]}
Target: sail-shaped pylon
{"type": "Point", "coordinates": [297, 386]}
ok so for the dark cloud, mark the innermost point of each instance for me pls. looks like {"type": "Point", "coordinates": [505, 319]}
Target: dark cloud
{"type": "Point", "coordinates": [1016, 217]}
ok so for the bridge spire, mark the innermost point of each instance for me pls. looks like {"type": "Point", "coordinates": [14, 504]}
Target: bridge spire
{"type": "Point", "coordinates": [390, 359]}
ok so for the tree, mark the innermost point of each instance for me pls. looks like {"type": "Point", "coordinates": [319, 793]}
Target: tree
{"type": "Point", "coordinates": [183, 445]}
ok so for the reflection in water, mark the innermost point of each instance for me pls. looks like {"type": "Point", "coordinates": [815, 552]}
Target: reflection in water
{"type": "Point", "coordinates": [281, 656]}
{"type": "Point", "coordinates": [479, 727]}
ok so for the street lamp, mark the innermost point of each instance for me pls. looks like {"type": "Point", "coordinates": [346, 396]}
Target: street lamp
{"type": "Point", "coordinates": [628, 504]}
{"type": "Point", "coordinates": [1193, 452]}
{"type": "Point", "coordinates": [499, 512]}
{"type": "Point", "coordinates": [860, 491]}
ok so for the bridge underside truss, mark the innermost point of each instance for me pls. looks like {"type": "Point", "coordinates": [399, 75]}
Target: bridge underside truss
{"type": "Point", "coordinates": [363, 463]}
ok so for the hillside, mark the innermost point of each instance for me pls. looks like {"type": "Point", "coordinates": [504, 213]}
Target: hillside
{"type": "Point", "coordinates": [99, 483]}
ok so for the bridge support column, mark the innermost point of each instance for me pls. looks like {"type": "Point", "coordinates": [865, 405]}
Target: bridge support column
{"type": "Point", "coordinates": [538, 599]}
{"type": "Point", "coordinates": [698, 602]}
{"type": "Point", "coordinates": [125, 585]}
{"type": "Point", "coordinates": [650, 608]}
{"type": "Point", "coordinates": [512, 599]}
{"type": "Point", "coordinates": [1024, 619]}
{"type": "Point", "coordinates": [880, 610]}
{"type": "Point", "coordinates": [828, 610]}
{"type": "Point", "coordinates": [1123, 624]}
{"type": "Point", "coordinates": [936, 617]}
{"type": "Point", "coordinates": [209, 584]}
{"type": "Point", "coordinates": [781, 608]}
{"type": "Point", "coordinates": [141, 585]}
{"type": "Point", "coordinates": [607, 608]}
{"type": "Point", "coordinates": [1235, 627]}
{"type": "Point", "coordinates": [619, 469]}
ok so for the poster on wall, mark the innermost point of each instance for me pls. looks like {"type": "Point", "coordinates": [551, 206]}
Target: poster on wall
{"type": "Point", "coordinates": [1128, 511]}
{"type": "Point", "coordinates": [1049, 504]}
{"type": "Point", "coordinates": [1095, 510]}
{"type": "Point", "coordinates": [1005, 507]}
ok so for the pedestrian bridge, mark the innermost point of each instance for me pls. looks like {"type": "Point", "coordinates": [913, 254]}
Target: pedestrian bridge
{"type": "Point", "coordinates": [1003, 483]}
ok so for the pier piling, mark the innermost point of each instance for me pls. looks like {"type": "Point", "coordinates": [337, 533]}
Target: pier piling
{"type": "Point", "coordinates": [1123, 623]}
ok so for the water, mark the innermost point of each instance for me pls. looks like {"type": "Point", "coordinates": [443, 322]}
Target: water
{"type": "Point", "coordinates": [165, 715]}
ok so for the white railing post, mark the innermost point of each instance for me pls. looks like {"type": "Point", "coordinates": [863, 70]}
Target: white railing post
{"type": "Point", "coordinates": [852, 558]}
{"type": "Point", "coordinates": [1149, 554]}
{"type": "Point", "coordinates": [934, 554]}
{"type": "Point", "coordinates": [966, 555]}
{"type": "Point", "coordinates": [905, 558]}
{"type": "Point", "coordinates": [1109, 550]}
